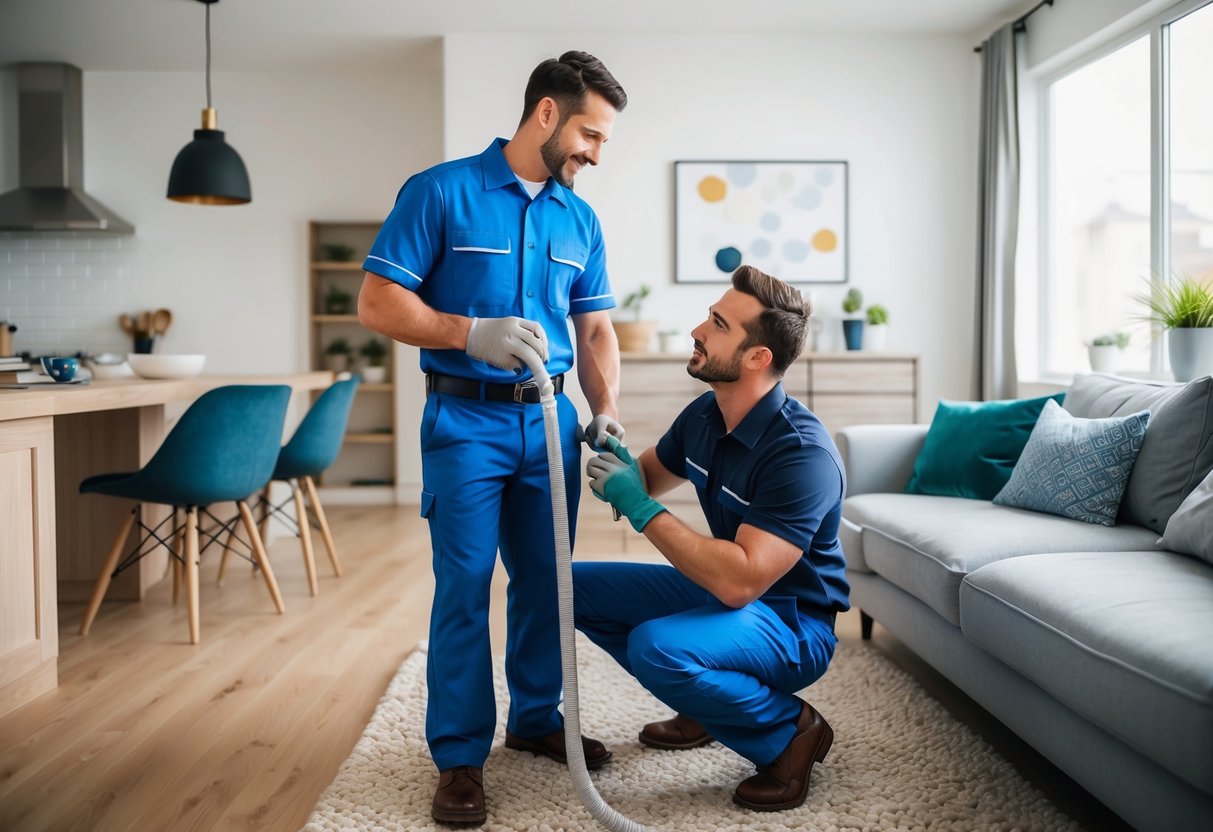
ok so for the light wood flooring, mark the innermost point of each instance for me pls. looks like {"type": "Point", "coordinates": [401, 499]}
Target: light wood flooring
{"type": "Point", "coordinates": [245, 730]}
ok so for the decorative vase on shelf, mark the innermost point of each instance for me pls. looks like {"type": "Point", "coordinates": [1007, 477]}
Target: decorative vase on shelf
{"type": "Point", "coordinates": [634, 336]}
{"type": "Point", "coordinates": [374, 375]}
{"type": "Point", "coordinates": [852, 332]}
{"type": "Point", "coordinates": [875, 337]}
{"type": "Point", "coordinates": [1191, 352]}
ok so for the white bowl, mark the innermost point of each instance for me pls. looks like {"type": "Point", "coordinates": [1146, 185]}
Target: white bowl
{"type": "Point", "coordinates": [166, 366]}
{"type": "Point", "coordinates": [103, 371]}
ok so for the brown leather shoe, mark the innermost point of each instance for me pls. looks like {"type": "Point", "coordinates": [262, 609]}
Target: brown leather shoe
{"type": "Point", "coordinates": [459, 797]}
{"type": "Point", "coordinates": [596, 754]}
{"type": "Point", "coordinates": [677, 734]}
{"type": "Point", "coordinates": [784, 784]}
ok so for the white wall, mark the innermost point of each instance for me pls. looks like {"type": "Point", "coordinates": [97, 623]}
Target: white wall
{"type": "Point", "coordinates": [319, 146]}
{"type": "Point", "coordinates": [902, 111]}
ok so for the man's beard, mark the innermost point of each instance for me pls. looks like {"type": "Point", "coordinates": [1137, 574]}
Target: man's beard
{"type": "Point", "coordinates": [713, 370]}
{"type": "Point", "coordinates": [555, 156]}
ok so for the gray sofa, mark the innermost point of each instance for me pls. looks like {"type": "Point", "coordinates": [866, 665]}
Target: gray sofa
{"type": "Point", "coordinates": [1089, 642]}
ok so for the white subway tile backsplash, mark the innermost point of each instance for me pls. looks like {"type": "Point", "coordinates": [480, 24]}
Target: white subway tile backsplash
{"type": "Point", "coordinates": [65, 292]}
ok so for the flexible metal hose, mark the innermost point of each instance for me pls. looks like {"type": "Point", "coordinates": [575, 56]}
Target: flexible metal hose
{"type": "Point", "coordinates": [593, 801]}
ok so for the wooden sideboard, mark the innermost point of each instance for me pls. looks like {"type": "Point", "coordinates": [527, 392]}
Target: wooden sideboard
{"type": "Point", "coordinates": [844, 388]}
{"type": "Point", "coordinates": [53, 540]}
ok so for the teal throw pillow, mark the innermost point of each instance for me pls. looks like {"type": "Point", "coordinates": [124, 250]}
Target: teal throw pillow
{"type": "Point", "coordinates": [1076, 468]}
{"type": "Point", "coordinates": [972, 447]}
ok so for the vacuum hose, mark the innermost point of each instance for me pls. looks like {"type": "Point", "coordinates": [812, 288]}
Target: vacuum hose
{"type": "Point", "coordinates": [593, 801]}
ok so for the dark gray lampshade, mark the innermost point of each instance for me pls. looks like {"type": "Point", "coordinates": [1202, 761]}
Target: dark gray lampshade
{"type": "Point", "coordinates": [209, 171]}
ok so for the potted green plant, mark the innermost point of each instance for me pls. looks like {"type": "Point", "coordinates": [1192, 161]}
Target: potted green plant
{"type": "Point", "coordinates": [374, 352]}
{"type": "Point", "coordinates": [337, 301]}
{"type": "Point", "coordinates": [852, 326]}
{"type": "Point", "coordinates": [1184, 308]}
{"type": "Point", "coordinates": [634, 334]}
{"type": "Point", "coordinates": [1104, 351]}
{"type": "Point", "coordinates": [337, 355]}
{"type": "Point", "coordinates": [337, 252]}
{"type": "Point", "coordinates": [876, 333]}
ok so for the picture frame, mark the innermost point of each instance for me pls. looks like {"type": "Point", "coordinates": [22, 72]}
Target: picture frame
{"type": "Point", "coordinates": [787, 218]}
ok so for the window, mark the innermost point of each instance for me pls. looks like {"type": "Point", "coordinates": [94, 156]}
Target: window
{"type": "Point", "coordinates": [1102, 234]}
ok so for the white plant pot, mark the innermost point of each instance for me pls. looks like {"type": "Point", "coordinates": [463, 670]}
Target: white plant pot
{"type": "Point", "coordinates": [336, 362]}
{"type": "Point", "coordinates": [374, 375]}
{"type": "Point", "coordinates": [1104, 358]}
{"type": "Point", "coordinates": [875, 337]}
{"type": "Point", "coordinates": [1191, 352]}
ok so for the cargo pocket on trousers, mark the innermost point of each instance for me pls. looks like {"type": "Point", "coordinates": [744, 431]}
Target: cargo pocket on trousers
{"type": "Point", "coordinates": [427, 504]}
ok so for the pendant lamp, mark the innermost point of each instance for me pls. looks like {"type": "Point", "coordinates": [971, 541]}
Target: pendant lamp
{"type": "Point", "coordinates": [209, 171]}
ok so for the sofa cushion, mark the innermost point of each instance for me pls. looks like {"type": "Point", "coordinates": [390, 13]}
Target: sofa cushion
{"type": "Point", "coordinates": [926, 545]}
{"type": "Point", "coordinates": [1178, 450]}
{"type": "Point", "coordinates": [971, 447]}
{"type": "Point", "coordinates": [1074, 467]}
{"type": "Point", "coordinates": [1123, 638]}
{"type": "Point", "coordinates": [1190, 529]}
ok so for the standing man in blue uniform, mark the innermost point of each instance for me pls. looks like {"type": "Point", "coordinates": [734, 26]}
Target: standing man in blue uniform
{"type": "Point", "coordinates": [745, 618]}
{"type": "Point", "coordinates": [481, 263]}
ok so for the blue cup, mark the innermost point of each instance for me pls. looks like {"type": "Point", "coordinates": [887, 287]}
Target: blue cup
{"type": "Point", "coordinates": [61, 369]}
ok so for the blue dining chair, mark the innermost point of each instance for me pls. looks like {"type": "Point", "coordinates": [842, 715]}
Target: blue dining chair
{"type": "Point", "coordinates": [223, 448]}
{"type": "Point", "coordinates": [310, 451]}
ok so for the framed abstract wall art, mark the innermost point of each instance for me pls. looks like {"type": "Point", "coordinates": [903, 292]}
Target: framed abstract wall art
{"type": "Point", "coordinates": [789, 219]}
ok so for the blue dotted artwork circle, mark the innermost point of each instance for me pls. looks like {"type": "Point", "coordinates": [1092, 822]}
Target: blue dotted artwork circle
{"type": "Point", "coordinates": [728, 259]}
{"type": "Point", "coordinates": [741, 174]}
{"type": "Point", "coordinates": [770, 221]}
{"type": "Point", "coordinates": [795, 251]}
{"type": "Point", "coordinates": [760, 247]}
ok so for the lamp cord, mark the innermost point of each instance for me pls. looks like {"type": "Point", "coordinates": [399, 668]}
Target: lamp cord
{"type": "Point", "coordinates": [208, 55]}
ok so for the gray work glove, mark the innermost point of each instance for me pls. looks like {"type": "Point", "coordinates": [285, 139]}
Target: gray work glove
{"type": "Point", "coordinates": [599, 428]}
{"type": "Point", "coordinates": [503, 342]}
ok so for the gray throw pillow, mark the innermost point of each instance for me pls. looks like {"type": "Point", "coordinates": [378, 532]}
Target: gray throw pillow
{"type": "Point", "coordinates": [1178, 451]}
{"type": "Point", "coordinates": [1076, 468]}
{"type": "Point", "coordinates": [1190, 529]}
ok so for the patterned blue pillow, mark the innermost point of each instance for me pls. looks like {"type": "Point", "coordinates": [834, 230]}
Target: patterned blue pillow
{"type": "Point", "coordinates": [1076, 468]}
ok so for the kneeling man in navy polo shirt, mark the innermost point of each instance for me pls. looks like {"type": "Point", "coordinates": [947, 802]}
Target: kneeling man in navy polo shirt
{"type": "Point", "coordinates": [744, 619]}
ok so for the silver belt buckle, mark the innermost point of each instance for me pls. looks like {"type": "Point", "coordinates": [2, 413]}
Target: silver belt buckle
{"type": "Point", "coordinates": [518, 388]}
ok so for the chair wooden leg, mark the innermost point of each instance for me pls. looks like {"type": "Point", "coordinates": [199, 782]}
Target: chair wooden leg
{"type": "Point", "coordinates": [305, 537]}
{"type": "Point", "coordinates": [175, 561]}
{"type": "Point", "coordinates": [227, 548]}
{"type": "Point", "coordinates": [325, 532]}
{"type": "Point", "coordinates": [107, 571]}
{"type": "Point", "coordinates": [263, 559]}
{"type": "Point", "coordinates": [191, 572]}
{"type": "Point", "coordinates": [266, 512]}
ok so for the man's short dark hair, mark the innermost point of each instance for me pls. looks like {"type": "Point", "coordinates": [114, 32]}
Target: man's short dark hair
{"type": "Point", "coordinates": [567, 79]}
{"type": "Point", "coordinates": [783, 323]}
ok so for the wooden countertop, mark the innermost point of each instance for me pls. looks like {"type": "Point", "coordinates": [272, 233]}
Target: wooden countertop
{"type": "Point", "coordinates": [117, 394]}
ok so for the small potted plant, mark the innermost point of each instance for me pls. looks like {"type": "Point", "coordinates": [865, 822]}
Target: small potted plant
{"type": "Point", "coordinates": [374, 352]}
{"type": "Point", "coordinates": [852, 326]}
{"type": "Point", "coordinates": [337, 252]}
{"type": "Point", "coordinates": [669, 340]}
{"type": "Point", "coordinates": [337, 301]}
{"type": "Point", "coordinates": [635, 334]}
{"type": "Point", "coordinates": [1104, 351]}
{"type": "Point", "coordinates": [1184, 308]}
{"type": "Point", "coordinates": [337, 355]}
{"type": "Point", "coordinates": [876, 333]}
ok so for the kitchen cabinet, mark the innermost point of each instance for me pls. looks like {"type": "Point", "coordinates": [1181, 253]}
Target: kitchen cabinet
{"type": "Point", "coordinates": [365, 469]}
{"type": "Point", "coordinates": [845, 388]}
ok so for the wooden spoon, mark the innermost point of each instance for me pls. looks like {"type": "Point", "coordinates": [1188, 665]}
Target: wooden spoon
{"type": "Point", "coordinates": [144, 324]}
{"type": "Point", "coordinates": [162, 319]}
{"type": "Point", "coordinates": [127, 323]}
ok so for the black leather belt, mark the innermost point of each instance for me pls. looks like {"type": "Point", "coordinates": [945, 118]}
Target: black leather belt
{"type": "Point", "coordinates": [467, 388]}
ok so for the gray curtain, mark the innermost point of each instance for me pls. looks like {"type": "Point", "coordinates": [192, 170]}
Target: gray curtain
{"type": "Point", "coordinates": [998, 212]}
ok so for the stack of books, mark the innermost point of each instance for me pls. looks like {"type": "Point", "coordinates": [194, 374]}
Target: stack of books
{"type": "Point", "coordinates": [15, 371]}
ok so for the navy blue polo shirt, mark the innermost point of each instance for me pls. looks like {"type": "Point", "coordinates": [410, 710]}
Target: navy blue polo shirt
{"type": "Point", "coordinates": [778, 470]}
{"type": "Point", "coordinates": [468, 239]}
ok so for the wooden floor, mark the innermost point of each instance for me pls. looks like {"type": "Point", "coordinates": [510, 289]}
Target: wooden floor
{"type": "Point", "coordinates": [245, 730]}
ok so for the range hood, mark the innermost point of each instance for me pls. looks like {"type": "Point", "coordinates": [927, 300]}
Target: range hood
{"type": "Point", "coordinates": [50, 148]}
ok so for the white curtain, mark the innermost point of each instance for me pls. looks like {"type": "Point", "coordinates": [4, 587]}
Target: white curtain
{"type": "Point", "coordinates": [998, 178]}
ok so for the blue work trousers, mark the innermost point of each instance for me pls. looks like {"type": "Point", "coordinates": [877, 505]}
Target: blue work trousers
{"type": "Point", "coordinates": [733, 670]}
{"type": "Point", "coordinates": [485, 487]}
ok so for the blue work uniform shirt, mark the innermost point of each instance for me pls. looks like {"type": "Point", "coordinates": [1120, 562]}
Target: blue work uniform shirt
{"type": "Point", "coordinates": [778, 470]}
{"type": "Point", "coordinates": [468, 239]}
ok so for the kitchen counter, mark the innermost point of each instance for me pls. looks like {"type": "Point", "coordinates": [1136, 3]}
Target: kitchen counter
{"type": "Point", "coordinates": [53, 540]}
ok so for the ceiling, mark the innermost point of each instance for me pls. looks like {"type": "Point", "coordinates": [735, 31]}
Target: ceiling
{"type": "Point", "coordinates": [252, 35]}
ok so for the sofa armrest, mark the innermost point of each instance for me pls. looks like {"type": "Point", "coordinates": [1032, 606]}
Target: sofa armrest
{"type": "Point", "coordinates": [879, 458]}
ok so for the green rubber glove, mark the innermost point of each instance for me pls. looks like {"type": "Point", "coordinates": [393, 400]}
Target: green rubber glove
{"type": "Point", "coordinates": [615, 477]}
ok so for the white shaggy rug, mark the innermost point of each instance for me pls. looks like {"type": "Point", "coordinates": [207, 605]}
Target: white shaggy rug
{"type": "Point", "coordinates": [899, 761]}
